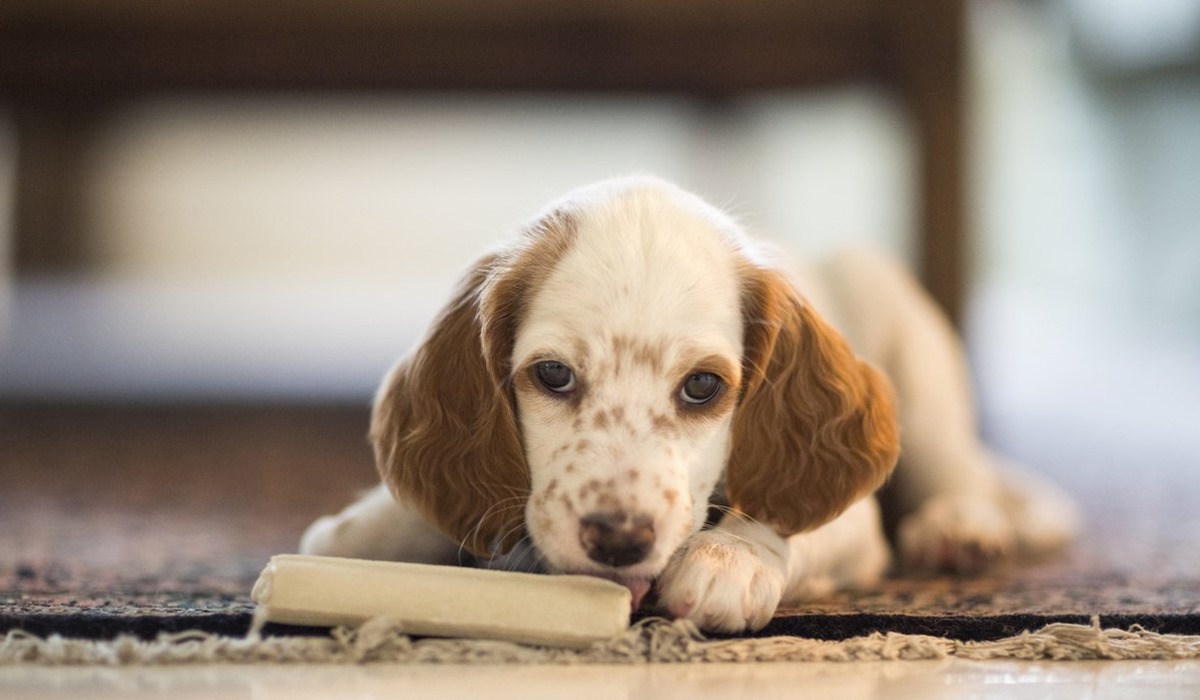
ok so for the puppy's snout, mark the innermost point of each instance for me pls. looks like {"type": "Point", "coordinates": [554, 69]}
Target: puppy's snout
{"type": "Point", "coordinates": [616, 539]}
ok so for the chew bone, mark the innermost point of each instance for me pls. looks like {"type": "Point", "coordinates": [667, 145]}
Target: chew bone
{"type": "Point", "coordinates": [443, 601]}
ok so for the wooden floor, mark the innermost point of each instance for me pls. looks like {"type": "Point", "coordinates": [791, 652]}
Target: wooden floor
{"type": "Point", "coordinates": [180, 506]}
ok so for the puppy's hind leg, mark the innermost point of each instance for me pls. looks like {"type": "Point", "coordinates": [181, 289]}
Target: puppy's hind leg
{"type": "Point", "coordinates": [945, 498]}
{"type": "Point", "coordinates": [1044, 518]}
{"type": "Point", "coordinates": [377, 526]}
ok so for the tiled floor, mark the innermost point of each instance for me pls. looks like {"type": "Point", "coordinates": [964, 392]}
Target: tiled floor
{"type": "Point", "coordinates": [926, 680]}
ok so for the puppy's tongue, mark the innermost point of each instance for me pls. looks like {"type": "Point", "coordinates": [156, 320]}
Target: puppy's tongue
{"type": "Point", "coordinates": [637, 588]}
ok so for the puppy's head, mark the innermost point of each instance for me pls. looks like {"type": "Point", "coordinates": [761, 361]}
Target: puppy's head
{"type": "Point", "coordinates": [594, 383]}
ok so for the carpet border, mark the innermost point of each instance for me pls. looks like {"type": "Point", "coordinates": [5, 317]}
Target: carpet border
{"type": "Point", "coordinates": [101, 625]}
{"type": "Point", "coordinates": [650, 641]}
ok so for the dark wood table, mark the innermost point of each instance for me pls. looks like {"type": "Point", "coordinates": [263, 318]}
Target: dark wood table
{"type": "Point", "coordinates": [64, 63]}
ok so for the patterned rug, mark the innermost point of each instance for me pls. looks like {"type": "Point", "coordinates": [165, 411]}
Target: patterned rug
{"type": "Point", "coordinates": [142, 520]}
{"type": "Point", "coordinates": [97, 605]}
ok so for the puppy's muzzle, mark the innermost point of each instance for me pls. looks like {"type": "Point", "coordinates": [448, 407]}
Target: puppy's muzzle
{"type": "Point", "coordinates": [616, 539]}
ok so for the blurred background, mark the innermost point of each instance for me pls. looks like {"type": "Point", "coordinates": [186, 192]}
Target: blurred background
{"type": "Point", "coordinates": [222, 244]}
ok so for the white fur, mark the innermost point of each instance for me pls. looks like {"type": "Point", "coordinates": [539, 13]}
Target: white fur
{"type": "Point", "coordinates": [628, 251]}
{"type": "Point", "coordinates": [654, 265]}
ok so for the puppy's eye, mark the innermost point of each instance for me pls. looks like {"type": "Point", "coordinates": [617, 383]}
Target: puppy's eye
{"type": "Point", "coordinates": [700, 388]}
{"type": "Point", "coordinates": [555, 376]}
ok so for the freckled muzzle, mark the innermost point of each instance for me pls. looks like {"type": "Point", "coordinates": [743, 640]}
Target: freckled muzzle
{"type": "Point", "coordinates": [616, 539]}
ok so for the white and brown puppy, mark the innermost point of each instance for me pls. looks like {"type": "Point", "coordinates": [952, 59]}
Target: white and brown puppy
{"type": "Point", "coordinates": [633, 358]}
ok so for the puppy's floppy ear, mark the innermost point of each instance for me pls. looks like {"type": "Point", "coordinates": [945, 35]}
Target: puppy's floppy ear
{"type": "Point", "coordinates": [444, 425]}
{"type": "Point", "coordinates": [444, 432]}
{"type": "Point", "coordinates": [815, 429]}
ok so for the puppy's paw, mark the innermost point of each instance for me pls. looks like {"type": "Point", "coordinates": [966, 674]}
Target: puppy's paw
{"type": "Point", "coordinates": [323, 537]}
{"type": "Point", "coordinates": [722, 583]}
{"type": "Point", "coordinates": [955, 533]}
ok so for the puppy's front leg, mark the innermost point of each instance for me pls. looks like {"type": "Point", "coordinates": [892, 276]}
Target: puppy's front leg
{"type": "Point", "coordinates": [849, 552]}
{"type": "Point", "coordinates": [734, 576]}
{"type": "Point", "coordinates": [727, 579]}
{"type": "Point", "coordinates": [377, 526]}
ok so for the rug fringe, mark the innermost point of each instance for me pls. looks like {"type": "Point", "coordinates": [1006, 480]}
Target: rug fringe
{"type": "Point", "coordinates": [650, 641]}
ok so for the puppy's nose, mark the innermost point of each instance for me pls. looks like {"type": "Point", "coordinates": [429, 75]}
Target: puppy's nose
{"type": "Point", "coordinates": [616, 539]}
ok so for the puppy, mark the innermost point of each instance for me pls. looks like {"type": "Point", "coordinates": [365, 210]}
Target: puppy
{"type": "Point", "coordinates": [633, 362]}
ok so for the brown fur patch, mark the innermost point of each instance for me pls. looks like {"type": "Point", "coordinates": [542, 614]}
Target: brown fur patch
{"type": "Point", "coordinates": [607, 501]}
{"type": "Point", "coordinates": [511, 280]}
{"type": "Point", "coordinates": [647, 354]}
{"type": "Point", "coordinates": [651, 355]}
{"type": "Point", "coordinates": [568, 504]}
{"type": "Point", "coordinates": [546, 525]}
{"type": "Point", "coordinates": [662, 424]}
{"type": "Point", "coordinates": [809, 404]}
{"type": "Point", "coordinates": [444, 426]}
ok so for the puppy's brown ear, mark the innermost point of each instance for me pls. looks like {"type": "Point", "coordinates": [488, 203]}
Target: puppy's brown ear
{"type": "Point", "coordinates": [444, 425]}
{"type": "Point", "coordinates": [815, 430]}
{"type": "Point", "coordinates": [445, 433]}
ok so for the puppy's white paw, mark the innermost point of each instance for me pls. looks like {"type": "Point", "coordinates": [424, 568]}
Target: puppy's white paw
{"type": "Point", "coordinates": [723, 583]}
{"type": "Point", "coordinates": [955, 533]}
{"type": "Point", "coordinates": [321, 537]}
